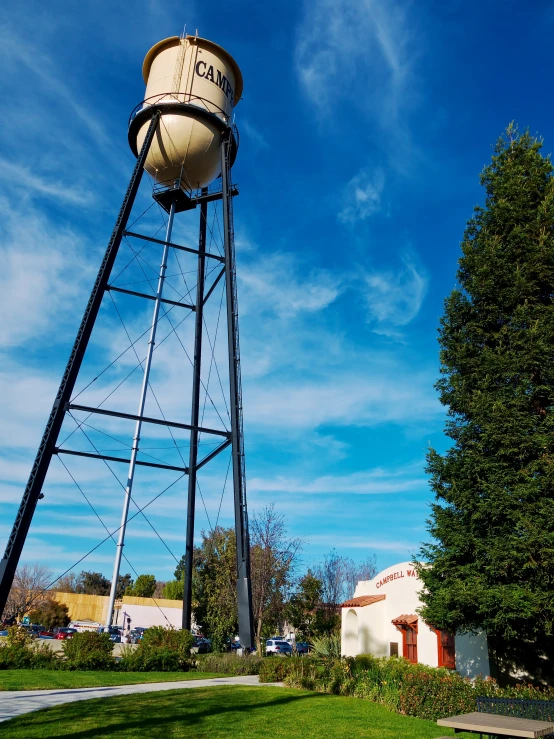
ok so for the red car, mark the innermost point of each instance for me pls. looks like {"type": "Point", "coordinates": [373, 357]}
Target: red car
{"type": "Point", "coordinates": [64, 632]}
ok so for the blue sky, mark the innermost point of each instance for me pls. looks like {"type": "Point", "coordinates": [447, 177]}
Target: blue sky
{"type": "Point", "coordinates": [364, 126]}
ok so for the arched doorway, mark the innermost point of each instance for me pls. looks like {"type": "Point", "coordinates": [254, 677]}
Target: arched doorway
{"type": "Point", "coordinates": [350, 642]}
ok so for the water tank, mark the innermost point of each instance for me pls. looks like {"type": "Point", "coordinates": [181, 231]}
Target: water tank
{"type": "Point", "coordinates": [199, 83]}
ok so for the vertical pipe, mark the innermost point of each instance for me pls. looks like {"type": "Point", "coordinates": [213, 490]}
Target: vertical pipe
{"type": "Point", "coordinates": [136, 438]}
{"type": "Point", "coordinates": [244, 587]}
{"type": "Point", "coordinates": [196, 384]}
{"type": "Point", "coordinates": [32, 493]}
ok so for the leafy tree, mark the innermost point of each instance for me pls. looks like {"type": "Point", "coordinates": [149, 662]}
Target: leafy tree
{"type": "Point", "coordinates": [303, 608]}
{"type": "Point", "coordinates": [214, 586]}
{"type": "Point", "coordinates": [123, 582]}
{"type": "Point", "coordinates": [274, 557]}
{"type": "Point", "coordinates": [492, 554]}
{"type": "Point", "coordinates": [180, 569]}
{"type": "Point", "coordinates": [93, 583]}
{"type": "Point", "coordinates": [173, 590]}
{"type": "Point", "coordinates": [50, 614]}
{"type": "Point", "coordinates": [144, 587]}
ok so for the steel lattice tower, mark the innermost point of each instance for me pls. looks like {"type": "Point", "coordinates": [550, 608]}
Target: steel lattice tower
{"type": "Point", "coordinates": [175, 195]}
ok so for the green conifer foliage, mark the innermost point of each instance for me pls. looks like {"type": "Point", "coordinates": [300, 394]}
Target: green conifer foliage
{"type": "Point", "coordinates": [493, 519]}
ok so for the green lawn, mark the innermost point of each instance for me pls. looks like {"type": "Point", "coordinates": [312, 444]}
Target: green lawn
{"type": "Point", "coordinates": [50, 679]}
{"type": "Point", "coordinates": [215, 713]}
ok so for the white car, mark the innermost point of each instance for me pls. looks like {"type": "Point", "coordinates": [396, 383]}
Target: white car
{"type": "Point", "coordinates": [277, 646]}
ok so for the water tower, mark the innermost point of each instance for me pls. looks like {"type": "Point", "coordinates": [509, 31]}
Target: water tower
{"type": "Point", "coordinates": [183, 135]}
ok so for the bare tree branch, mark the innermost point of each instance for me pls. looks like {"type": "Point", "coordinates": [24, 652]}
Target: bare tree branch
{"type": "Point", "coordinates": [28, 588]}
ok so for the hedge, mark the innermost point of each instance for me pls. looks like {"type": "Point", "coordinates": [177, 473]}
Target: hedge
{"type": "Point", "coordinates": [160, 650]}
{"type": "Point", "coordinates": [414, 690]}
{"type": "Point", "coordinates": [229, 664]}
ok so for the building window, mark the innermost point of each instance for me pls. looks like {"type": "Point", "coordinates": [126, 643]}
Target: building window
{"type": "Point", "coordinates": [446, 649]}
{"type": "Point", "coordinates": [409, 634]}
{"type": "Point", "coordinates": [394, 649]}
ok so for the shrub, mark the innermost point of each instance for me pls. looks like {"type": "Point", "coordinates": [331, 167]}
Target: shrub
{"type": "Point", "coordinates": [415, 690]}
{"type": "Point", "coordinates": [159, 637]}
{"type": "Point", "coordinates": [88, 650]}
{"type": "Point", "coordinates": [164, 650]}
{"type": "Point", "coordinates": [158, 660]}
{"type": "Point", "coordinates": [44, 658]}
{"type": "Point", "coordinates": [18, 652]}
{"type": "Point", "coordinates": [327, 647]}
{"type": "Point", "coordinates": [229, 664]}
{"type": "Point", "coordinates": [18, 637]}
{"type": "Point", "coordinates": [276, 669]}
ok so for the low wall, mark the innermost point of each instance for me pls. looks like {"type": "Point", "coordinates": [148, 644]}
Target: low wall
{"type": "Point", "coordinates": [142, 611]}
{"type": "Point", "coordinates": [81, 607]}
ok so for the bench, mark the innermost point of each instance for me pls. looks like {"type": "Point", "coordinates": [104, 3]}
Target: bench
{"type": "Point", "coordinates": [537, 710]}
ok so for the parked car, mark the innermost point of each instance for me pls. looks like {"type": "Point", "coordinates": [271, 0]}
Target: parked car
{"type": "Point", "coordinates": [115, 632]}
{"type": "Point", "coordinates": [277, 646]}
{"type": "Point", "coordinates": [201, 645]}
{"type": "Point", "coordinates": [40, 632]}
{"type": "Point", "coordinates": [43, 633]}
{"type": "Point", "coordinates": [63, 632]}
{"type": "Point", "coordinates": [302, 647]}
{"type": "Point", "coordinates": [137, 633]}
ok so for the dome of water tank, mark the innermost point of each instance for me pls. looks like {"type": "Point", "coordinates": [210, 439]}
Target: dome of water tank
{"type": "Point", "coordinates": [200, 83]}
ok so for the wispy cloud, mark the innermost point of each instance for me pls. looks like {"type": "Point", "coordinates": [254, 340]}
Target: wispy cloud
{"type": "Point", "coordinates": [369, 543]}
{"type": "Point", "coordinates": [36, 257]}
{"type": "Point", "coordinates": [377, 481]}
{"type": "Point", "coordinates": [362, 196]}
{"type": "Point", "coordinates": [360, 50]}
{"type": "Point", "coordinates": [279, 283]}
{"type": "Point", "coordinates": [254, 134]}
{"type": "Point", "coordinates": [31, 182]}
{"type": "Point", "coordinates": [395, 298]}
{"type": "Point", "coordinates": [17, 51]}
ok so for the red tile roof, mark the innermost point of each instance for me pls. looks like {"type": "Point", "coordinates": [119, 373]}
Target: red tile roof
{"type": "Point", "coordinates": [362, 600]}
{"type": "Point", "coordinates": [405, 618]}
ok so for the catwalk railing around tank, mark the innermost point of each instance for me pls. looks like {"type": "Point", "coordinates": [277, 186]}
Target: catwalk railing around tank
{"type": "Point", "coordinates": [185, 98]}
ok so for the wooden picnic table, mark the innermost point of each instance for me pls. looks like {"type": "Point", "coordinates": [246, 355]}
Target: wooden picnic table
{"type": "Point", "coordinates": [491, 724]}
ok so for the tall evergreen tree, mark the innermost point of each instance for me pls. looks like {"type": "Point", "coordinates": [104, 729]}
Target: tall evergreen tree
{"type": "Point", "coordinates": [492, 557]}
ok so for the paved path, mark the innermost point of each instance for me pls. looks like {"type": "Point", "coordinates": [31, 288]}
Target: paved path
{"type": "Point", "coordinates": [16, 702]}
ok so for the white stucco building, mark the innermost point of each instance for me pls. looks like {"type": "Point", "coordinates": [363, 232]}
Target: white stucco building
{"type": "Point", "coordinates": [381, 619]}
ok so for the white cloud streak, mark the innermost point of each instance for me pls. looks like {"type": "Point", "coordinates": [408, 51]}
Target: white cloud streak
{"type": "Point", "coordinates": [35, 293]}
{"type": "Point", "coordinates": [357, 50]}
{"type": "Point", "coordinates": [362, 197]}
{"type": "Point", "coordinates": [395, 298]}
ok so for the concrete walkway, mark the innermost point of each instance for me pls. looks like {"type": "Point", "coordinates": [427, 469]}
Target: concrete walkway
{"type": "Point", "coordinates": [16, 702]}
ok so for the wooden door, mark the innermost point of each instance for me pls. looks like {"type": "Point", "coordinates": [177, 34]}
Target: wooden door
{"type": "Point", "coordinates": [447, 649]}
{"type": "Point", "coordinates": [410, 643]}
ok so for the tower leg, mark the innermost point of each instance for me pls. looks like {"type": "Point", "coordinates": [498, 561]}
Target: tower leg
{"type": "Point", "coordinates": [138, 427]}
{"type": "Point", "coordinates": [244, 586]}
{"type": "Point", "coordinates": [32, 494]}
{"type": "Point", "coordinates": [196, 384]}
